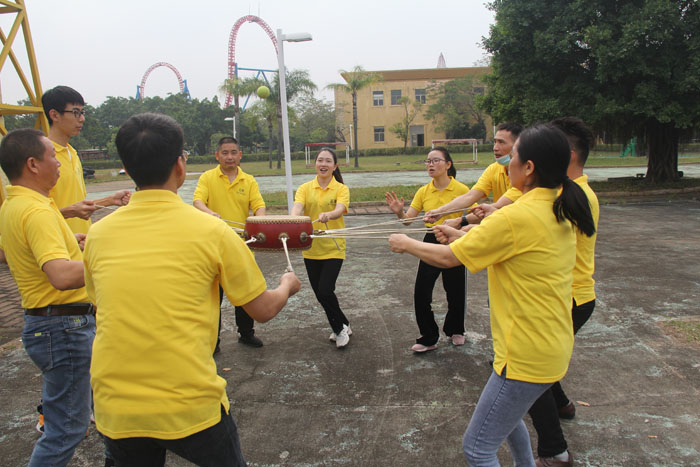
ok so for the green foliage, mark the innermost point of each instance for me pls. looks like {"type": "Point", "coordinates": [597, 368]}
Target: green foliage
{"type": "Point", "coordinates": [629, 67]}
{"type": "Point", "coordinates": [402, 129]}
{"type": "Point", "coordinates": [454, 108]}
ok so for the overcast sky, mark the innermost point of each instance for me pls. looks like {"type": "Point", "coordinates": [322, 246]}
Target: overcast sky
{"type": "Point", "coordinates": [103, 48]}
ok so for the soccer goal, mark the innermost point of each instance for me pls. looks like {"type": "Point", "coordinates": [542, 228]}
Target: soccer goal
{"type": "Point", "coordinates": [447, 142]}
{"type": "Point", "coordinates": [308, 148]}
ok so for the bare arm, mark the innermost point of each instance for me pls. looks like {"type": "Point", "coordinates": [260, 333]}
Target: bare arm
{"type": "Point", "coordinates": [297, 209]}
{"type": "Point", "coordinates": [82, 209]}
{"type": "Point", "coordinates": [203, 207]}
{"type": "Point", "coordinates": [460, 202]}
{"type": "Point", "coordinates": [334, 214]}
{"type": "Point", "coordinates": [64, 274]}
{"type": "Point", "coordinates": [265, 306]}
{"type": "Point", "coordinates": [440, 256]}
{"type": "Point", "coordinates": [120, 198]}
{"type": "Point", "coordinates": [396, 205]}
{"type": "Point", "coordinates": [260, 212]}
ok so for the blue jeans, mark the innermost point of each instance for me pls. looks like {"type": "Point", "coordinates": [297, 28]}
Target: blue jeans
{"type": "Point", "coordinates": [499, 416]}
{"type": "Point", "coordinates": [61, 347]}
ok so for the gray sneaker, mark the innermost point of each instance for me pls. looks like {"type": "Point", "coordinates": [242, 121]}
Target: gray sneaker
{"type": "Point", "coordinates": [333, 336]}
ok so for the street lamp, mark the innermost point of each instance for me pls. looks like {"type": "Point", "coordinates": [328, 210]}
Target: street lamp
{"type": "Point", "coordinates": [281, 38]}
{"type": "Point", "coordinates": [232, 119]}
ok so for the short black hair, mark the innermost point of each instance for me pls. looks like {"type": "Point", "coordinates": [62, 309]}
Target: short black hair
{"type": "Point", "coordinates": [16, 147]}
{"type": "Point", "coordinates": [58, 98]}
{"type": "Point", "coordinates": [579, 134]}
{"type": "Point", "coordinates": [226, 140]}
{"type": "Point", "coordinates": [512, 127]}
{"type": "Point", "coordinates": [149, 145]}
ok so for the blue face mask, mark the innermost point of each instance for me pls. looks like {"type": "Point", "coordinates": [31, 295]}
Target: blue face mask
{"type": "Point", "coordinates": [503, 160]}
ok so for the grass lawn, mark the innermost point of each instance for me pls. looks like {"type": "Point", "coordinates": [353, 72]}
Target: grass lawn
{"type": "Point", "coordinates": [394, 163]}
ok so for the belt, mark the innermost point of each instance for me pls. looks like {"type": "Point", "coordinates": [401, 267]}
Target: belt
{"type": "Point", "coordinates": [68, 309]}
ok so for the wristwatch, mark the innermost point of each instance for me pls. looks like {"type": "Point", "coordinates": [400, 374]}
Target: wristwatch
{"type": "Point", "coordinates": [464, 221]}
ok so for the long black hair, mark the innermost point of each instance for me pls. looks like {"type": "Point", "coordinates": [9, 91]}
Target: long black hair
{"type": "Point", "coordinates": [452, 172]}
{"type": "Point", "coordinates": [548, 148]}
{"type": "Point", "coordinates": [336, 172]}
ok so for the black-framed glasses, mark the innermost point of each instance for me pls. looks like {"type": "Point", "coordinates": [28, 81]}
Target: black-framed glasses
{"type": "Point", "coordinates": [77, 113]}
{"type": "Point", "coordinates": [433, 161]}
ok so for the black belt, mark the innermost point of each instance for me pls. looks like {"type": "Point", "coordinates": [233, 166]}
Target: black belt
{"type": "Point", "coordinates": [68, 309]}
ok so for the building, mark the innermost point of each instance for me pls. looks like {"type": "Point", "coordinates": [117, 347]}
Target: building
{"type": "Point", "coordinates": [378, 106]}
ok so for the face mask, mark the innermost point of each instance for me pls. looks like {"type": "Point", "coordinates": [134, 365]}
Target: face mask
{"type": "Point", "coordinates": [503, 160]}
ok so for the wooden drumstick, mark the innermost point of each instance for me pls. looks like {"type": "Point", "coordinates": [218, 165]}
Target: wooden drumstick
{"type": "Point", "coordinates": [284, 238]}
{"type": "Point", "coordinates": [334, 241]}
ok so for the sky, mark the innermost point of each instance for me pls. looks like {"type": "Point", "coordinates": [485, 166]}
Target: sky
{"type": "Point", "coordinates": [103, 48]}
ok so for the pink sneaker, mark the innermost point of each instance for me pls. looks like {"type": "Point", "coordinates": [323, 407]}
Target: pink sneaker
{"type": "Point", "coordinates": [419, 348]}
{"type": "Point", "coordinates": [458, 339]}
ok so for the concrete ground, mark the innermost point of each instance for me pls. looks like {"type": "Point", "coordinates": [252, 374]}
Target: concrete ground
{"type": "Point", "coordinates": [298, 401]}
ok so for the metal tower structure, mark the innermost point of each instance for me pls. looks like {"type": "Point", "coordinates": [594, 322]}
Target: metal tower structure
{"type": "Point", "coordinates": [140, 89]}
{"type": "Point", "coordinates": [32, 86]}
{"type": "Point", "coordinates": [232, 65]}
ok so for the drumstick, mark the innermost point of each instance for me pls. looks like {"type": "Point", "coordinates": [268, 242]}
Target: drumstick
{"type": "Point", "coordinates": [336, 243]}
{"type": "Point", "coordinates": [286, 252]}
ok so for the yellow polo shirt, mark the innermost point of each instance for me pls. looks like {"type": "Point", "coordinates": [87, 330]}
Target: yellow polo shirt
{"type": "Point", "coordinates": [153, 268]}
{"type": "Point", "coordinates": [429, 197]}
{"type": "Point", "coordinates": [231, 200]}
{"type": "Point", "coordinates": [70, 188]}
{"type": "Point", "coordinates": [530, 258]}
{"type": "Point", "coordinates": [584, 289]}
{"type": "Point", "coordinates": [317, 200]}
{"type": "Point", "coordinates": [33, 233]}
{"type": "Point", "coordinates": [494, 179]}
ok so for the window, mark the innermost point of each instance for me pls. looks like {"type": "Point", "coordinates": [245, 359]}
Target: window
{"type": "Point", "coordinates": [377, 98]}
{"type": "Point", "coordinates": [378, 134]}
{"type": "Point", "coordinates": [395, 96]}
{"type": "Point", "coordinates": [420, 96]}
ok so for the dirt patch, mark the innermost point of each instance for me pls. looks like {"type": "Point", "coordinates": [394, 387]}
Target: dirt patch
{"type": "Point", "coordinates": [684, 332]}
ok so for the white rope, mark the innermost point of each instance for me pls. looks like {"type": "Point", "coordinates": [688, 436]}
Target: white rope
{"type": "Point", "coordinates": [398, 221]}
{"type": "Point", "coordinates": [251, 240]}
{"type": "Point", "coordinates": [98, 206]}
{"type": "Point", "coordinates": [232, 222]}
{"type": "Point", "coordinates": [286, 252]}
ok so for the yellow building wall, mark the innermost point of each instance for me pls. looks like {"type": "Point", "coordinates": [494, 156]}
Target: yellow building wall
{"type": "Point", "coordinates": [387, 115]}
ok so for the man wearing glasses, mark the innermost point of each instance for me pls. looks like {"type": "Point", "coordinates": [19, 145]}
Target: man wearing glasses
{"type": "Point", "coordinates": [63, 107]}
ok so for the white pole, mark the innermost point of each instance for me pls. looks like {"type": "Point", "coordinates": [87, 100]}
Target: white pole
{"type": "Point", "coordinates": [285, 119]}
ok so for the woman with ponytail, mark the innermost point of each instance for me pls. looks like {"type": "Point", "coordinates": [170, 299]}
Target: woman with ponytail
{"type": "Point", "coordinates": [325, 199]}
{"type": "Point", "coordinates": [529, 248]}
{"type": "Point", "coordinates": [442, 189]}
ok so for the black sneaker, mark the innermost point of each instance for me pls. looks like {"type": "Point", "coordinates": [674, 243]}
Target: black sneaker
{"type": "Point", "coordinates": [251, 340]}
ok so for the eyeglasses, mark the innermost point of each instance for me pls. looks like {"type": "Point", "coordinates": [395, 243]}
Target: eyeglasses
{"type": "Point", "coordinates": [433, 161]}
{"type": "Point", "coordinates": [185, 155]}
{"type": "Point", "coordinates": [77, 113]}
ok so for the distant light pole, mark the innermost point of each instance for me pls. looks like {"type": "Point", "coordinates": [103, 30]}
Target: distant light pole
{"type": "Point", "coordinates": [232, 119]}
{"type": "Point", "coordinates": [281, 38]}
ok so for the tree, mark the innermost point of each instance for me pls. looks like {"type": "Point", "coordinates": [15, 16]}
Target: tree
{"type": "Point", "coordinates": [454, 108]}
{"type": "Point", "coordinates": [402, 129]}
{"type": "Point", "coordinates": [356, 79]}
{"type": "Point", "coordinates": [314, 122]}
{"type": "Point", "coordinates": [630, 67]}
{"type": "Point", "coordinates": [237, 88]}
{"type": "Point", "coordinates": [298, 83]}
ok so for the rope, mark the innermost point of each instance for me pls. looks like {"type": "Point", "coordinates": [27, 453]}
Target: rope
{"type": "Point", "coordinates": [398, 221]}
{"type": "Point", "coordinates": [233, 222]}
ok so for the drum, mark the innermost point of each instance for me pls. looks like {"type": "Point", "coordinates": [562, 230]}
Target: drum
{"type": "Point", "coordinates": [269, 230]}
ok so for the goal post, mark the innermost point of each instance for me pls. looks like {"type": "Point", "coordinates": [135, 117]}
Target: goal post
{"type": "Point", "coordinates": [308, 148]}
{"type": "Point", "coordinates": [447, 142]}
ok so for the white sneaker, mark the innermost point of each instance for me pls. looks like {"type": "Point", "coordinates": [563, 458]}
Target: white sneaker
{"type": "Point", "coordinates": [343, 338]}
{"type": "Point", "coordinates": [333, 336]}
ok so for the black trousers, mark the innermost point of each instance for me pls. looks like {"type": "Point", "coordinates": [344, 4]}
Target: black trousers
{"type": "Point", "coordinates": [545, 410]}
{"type": "Point", "coordinates": [243, 321]}
{"type": "Point", "coordinates": [454, 280]}
{"type": "Point", "coordinates": [216, 446]}
{"type": "Point", "coordinates": [322, 275]}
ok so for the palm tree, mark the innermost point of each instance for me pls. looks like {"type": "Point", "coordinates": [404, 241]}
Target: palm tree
{"type": "Point", "coordinates": [356, 79]}
{"type": "Point", "coordinates": [298, 82]}
{"type": "Point", "coordinates": [238, 87]}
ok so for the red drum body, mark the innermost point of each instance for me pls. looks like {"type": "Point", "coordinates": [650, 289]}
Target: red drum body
{"type": "Point", "coordinates": [269, 230]}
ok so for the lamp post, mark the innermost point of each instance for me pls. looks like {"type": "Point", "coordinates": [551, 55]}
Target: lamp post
{"type": "Point", "coordinates": [281, 38]}
{"type": "Point", "coordinates": [232, 119]}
